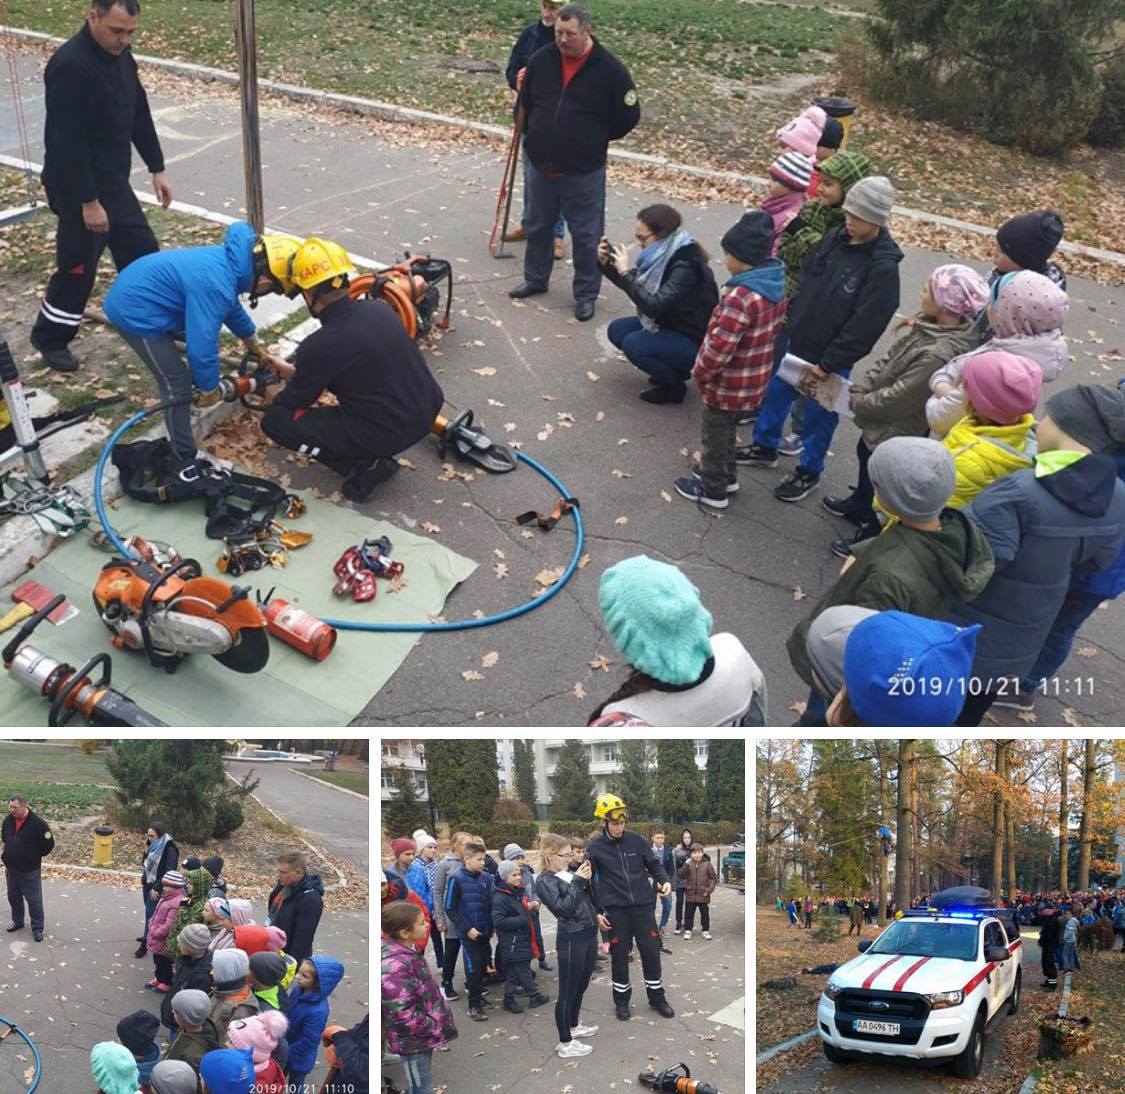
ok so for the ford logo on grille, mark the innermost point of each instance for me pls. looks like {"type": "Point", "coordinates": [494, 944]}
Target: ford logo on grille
{"type": "Point", "coordinates": [879, 1004]}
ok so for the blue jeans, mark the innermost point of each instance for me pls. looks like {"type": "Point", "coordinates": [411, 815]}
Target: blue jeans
{"type": "Point", "coordinates": [560, 224]}
{"type": "Point", "coordinates": [1076, 609]}
{"type": "Point", "coordinates": [819, 425]}
{"type": "Point", "coordinates": [666, 355]}
{"type": "Point", "coordinates": [419, 1075]}
{"type": "Point", "coordinates": [665, 910]}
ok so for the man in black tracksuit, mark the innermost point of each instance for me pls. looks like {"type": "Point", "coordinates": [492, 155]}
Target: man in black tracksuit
{"type": "Point", "coordinates": [96, 109]}
{"type": "Point", "coordinates": [387, 397]}
{"type": "Point", "coordinates": [27, 839]}
{"type": "Point", "coordinates": [623, 864]}
{"type": "Point", "coordinates": [578, 97]}
{"type": "Point", "coordinates": [1049, 942]}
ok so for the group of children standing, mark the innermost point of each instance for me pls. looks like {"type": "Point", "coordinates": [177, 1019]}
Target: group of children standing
{"type": "Point", "coordinates": [986, 531]}
{"type": "Point", "coordinates": [241, 1015]}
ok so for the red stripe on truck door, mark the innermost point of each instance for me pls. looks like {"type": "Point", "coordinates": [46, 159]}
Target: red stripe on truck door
{"type": "Point", "coordinates": [979, 977]}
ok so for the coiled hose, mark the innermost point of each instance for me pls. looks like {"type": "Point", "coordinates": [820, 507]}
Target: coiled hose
{"type": "Point", "coordinates": [352, 624]}
{"type": "Point", "coordinates": [34, 1051]}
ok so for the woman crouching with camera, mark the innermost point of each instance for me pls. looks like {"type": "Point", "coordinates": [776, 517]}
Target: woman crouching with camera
{"type": "Point", "coordinates": [564, 887]}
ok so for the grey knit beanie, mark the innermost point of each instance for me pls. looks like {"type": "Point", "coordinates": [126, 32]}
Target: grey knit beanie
{"type": "Point", "coordinates": [825, 642]}
{"type": "Point", "coordinates": [196, 937]}
{"type": "Point", "coordinates": [1091, 414]}
{"type": "Point", "coordinates": [871, 199]}
{"type": "Point", "coordinates": [191, 1006]}
{"type": "Point", "coordinates": [913, 476]}
{"type": "Point", "coordinates": [173, 1077]}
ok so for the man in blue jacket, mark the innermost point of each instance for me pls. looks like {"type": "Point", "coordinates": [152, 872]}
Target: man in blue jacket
{"type": "Point", "coordinates": [194, 292]}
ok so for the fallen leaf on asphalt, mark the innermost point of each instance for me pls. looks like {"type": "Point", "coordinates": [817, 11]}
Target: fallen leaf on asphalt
{"type": "Point", "coordinates": [665, 495]}
{"type": "Point", "coordinates": [402, 461]}
{"type": "Point", "coordinates": [472, 674]}
{"type": "Point", "coordinates": [578, 691]}
{"type": "Point", "coordinates": [798, 706]}
{"type": "Point", "coordinates": [509, 427]}
{"type": "Point", "coordinates": [1087, 651]}
{"type": "Point", "coordinates": [547, 578]}
{"type": "Point", "coordinates": [1070, 716]}
{"type": "Point", "coordinates": [621, 520]}
{"type": "Point", "coordinates": [1027, 716]}
{"type": "Point", "coordinates": [498, 553]}
{"type": "Point", "coordinates": [601, 662]}
{"type": "Point", "coordinates": [593, 377]}
{"type": "Point", "coordinates": [799, 593]}
{"type": "Point", "coordinates": [526, 533]}
{"type": "Point", "coordinates": [500, 570]}
{"type": "Point", "coordinates": [622, 440]}
{"type": "Point", "coordinates": [496, 402]}
{"type": "Point", "coordinates": [489, 659]}
{"type": "Point", "coordinates": [583, 562]}
{"type": "Point", "coordinates": [430, 528]}
{"type": "Point", "coordinates": [617, 473]}
{"type": "Point", "coordinates": [600, 416]}
{"type": "Point", "coordinates": [549, 398]}
{"type": "Point", "coordinates": [488, 370]}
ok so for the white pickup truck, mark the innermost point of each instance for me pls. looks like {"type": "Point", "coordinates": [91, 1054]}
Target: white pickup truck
{"type": "Point", "coordinates": [925, 989]}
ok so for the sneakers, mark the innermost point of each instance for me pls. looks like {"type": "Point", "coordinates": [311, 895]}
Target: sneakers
{"type": "Point", "coordinates": [796, 486]}
{"type": "Point", "coordinates": [749, 418]}
{"type": "Point", "coordinates": [732, 488]}
{"type": "Point", "coordinates": [848, 509]}
{"type": "Point", "coordinates": [477, 1015]}
{"type": "Point", "coordinates": [841, 547]}
{"type": "Point", "coordinates": [512, 1007]}
{"type": "Point", "coordinates": [449, 993]}
{"type": "Point", "coordinates": [573, 1049]}
{"type": "Point", "coordinates": [360, 482]}
{"type": "Point", "coordinates": [1019, 701]}
{"type": "Point", "coordinates": [560, 249]}
{"type": "Point", "coordinates": [692, 489]}
{"type": "Point", "coordinates": [687, 936]}
{"type": "Point", "coordinates": [678, 930]}
{"type": "Point", "coordinates": [583, 1031]}
{"type": "Point", "coordinates": [659, 394]}
{"type": "Point", "coordinates": [755, 455]}
{"type": "Point", "coordinates": [545, 966]}
{"type": "Point", "coordinates": [707, 935]}
{"type": "Point", "coordinates": [792, 445]}
{"type": "Point", "coordinates": [538, 1000]}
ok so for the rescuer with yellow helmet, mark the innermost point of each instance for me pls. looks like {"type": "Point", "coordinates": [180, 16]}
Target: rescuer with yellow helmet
{"type": "Point", "coordinates": [627, 877]}
{"type": "Point", "coordinates": [386, 397]}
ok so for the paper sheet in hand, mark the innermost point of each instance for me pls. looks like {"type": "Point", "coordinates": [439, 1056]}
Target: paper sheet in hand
{"type": "Point", "coordinates": [831, 392]}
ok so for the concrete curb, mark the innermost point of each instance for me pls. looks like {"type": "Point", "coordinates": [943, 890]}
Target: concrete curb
{"type": "Point", "coordinates": [408, 116]}
{"type": "Point", "coordinates": [100, 871]}
{"type": "Point", "coordinates": [332, 786]}
{"type": "Point", "coordinates": [793, 1042]}
{"type": "Point", "coordinates": [341, 881]}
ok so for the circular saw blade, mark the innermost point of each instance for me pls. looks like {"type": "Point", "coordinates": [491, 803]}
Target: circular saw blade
{"type": "Point", "coordinates": [249, 653]}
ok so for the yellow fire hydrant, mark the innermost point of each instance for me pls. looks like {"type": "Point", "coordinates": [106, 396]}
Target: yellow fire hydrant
{"type": "Point", "coordinates": [103, 845]}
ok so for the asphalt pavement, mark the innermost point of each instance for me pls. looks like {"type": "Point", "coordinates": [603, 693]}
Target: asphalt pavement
{"type": "Point", "coordinates": [886, 1073]}
{"type": "Point", "coordinates": [335, 821]}
{"type": "Point", "coordinates": [704, 982]}
{"type": "Point", "coordinates": [69, 991]}
{"type": "Point", "coordinates": [538, 378]}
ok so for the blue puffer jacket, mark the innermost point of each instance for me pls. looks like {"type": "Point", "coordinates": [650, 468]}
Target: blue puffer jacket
{"type": "Point", "coordinates": [308, 1013]}
{"type": "Point", "coordinates": [468, 901]}
{"type": "Point", "coordinates": [1110, 582]}
{"type": "Point", "coordinates": [194, 290]}
{"type": "Point", "coordinates": [417, 881]}
{"type": "Point", "coordinates": [513, 922]}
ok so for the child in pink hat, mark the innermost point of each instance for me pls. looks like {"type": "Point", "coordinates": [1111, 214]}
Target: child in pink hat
{"type": "Point", "coordinates": [790, 174]}
{"type": "Point", "coordinates": [996, 435]}
{"type": "Point", "coordinates": [802, 134]}
{"type": "Point", "coordinates": [260, 1033]}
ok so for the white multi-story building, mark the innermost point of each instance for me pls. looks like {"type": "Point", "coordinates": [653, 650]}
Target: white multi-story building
{"type": "Point", "coordinates": [408, 754]}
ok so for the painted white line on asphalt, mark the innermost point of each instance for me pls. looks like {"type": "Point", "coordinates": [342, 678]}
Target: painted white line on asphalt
{"type": "Point", "coordinates": [793, 1042]}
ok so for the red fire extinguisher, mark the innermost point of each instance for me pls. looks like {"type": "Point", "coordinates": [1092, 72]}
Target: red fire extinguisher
{"type": "Point", "coordinates": [298, 628]}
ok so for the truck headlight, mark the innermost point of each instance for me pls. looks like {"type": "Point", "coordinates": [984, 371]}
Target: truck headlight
{"type": "Point", "coordinates": [939, 1000]}
{"type": "Point", "coordinates": [831, 991]}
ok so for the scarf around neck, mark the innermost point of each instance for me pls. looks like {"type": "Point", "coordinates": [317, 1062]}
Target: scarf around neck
{"type": "Point", "coordinates": [651, 264]}
{"type": "Point", "coordinates": [153, 856]}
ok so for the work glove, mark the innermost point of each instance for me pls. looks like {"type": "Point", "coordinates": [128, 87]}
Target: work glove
{"type": "Point", "coordinates": [208, 398]}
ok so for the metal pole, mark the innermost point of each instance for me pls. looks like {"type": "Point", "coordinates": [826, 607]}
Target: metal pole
{"type": "Point", "coordinates": [247, 44]}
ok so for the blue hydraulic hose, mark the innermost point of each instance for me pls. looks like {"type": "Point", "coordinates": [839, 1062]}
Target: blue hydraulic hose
{"type": "Point", "coordinates": [352, 624]}
{"type": "Point", "coordinates": [35, 1052]}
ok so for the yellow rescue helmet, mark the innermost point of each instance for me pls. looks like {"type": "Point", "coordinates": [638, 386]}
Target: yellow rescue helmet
{"type": "Point", "coordinates": [319, 260]}
{"type": "Point", "coordinates": [271, 259]}
{"type": "Point", "coordinates": [610, 807]}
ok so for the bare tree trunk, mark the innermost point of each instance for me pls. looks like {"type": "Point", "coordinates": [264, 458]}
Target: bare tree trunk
{"type": "Point", "coordinates": [998, 820]}
{"type": "Point", "coordinates": [1086, 825]}
{"type": "Point", "coordinates": [904, 853]}
{"type": "Point", "coordinates": [885, 800]}
{"type": "Point", "coordinates": [1010, 834]}
{"type": "Point", "coordinates": [1064, 815]}
{"type": "Point", "coordinates": [916, 833]}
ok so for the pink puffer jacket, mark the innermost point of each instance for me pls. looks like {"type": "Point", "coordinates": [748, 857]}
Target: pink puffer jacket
{"type": "Point", "coordinates": [163, 916]}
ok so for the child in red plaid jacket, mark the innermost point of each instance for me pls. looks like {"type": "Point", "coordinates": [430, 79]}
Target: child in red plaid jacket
{"type": "Point", "coordinates": [733, 367]}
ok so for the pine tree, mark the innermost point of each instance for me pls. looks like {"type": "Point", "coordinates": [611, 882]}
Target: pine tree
{"type": "Point", "coordinates": [182, 782]}
{"type": "Point", "coordinates": [678, 795]}
{"type": "Point", "coordinates": [404, 813]}
{"type": "Point", "coordinates": [524, 774]}
{"type": "Point", "coordinates": [573, 788]}
{"type": "Point", "coordinates": [633, 783]}
{"type": "Point", "coordinates": [726, 781]}
{"type": "Point", "coordinates": [464, 781]}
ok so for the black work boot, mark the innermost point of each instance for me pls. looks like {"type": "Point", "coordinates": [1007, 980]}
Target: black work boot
{"type": "Point", "coordinates": [660, 1005]}
{"type": "Point", "coordinates": [60, 359]}
{"type": "Point", "coordinates": [622, 1011]}
{"type": "Point", "coordinates": [359, 484]}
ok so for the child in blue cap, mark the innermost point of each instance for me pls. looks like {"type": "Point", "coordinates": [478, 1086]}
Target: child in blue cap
{"type": "Point", "coordinates": [228, 1071]}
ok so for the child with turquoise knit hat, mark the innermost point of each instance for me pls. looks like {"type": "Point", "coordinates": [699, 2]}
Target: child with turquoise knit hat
{"type": "Point", "coordinates": [682, 674]}
{"type": "Point", "coordinates": [114, 1069]}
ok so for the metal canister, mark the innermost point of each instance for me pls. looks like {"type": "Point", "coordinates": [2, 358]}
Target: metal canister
{"type": "Point", "coordinates": [299, 629]}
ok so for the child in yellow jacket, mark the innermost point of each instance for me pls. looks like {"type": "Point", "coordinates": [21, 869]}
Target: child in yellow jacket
{"type": "Point", "coordinates": [997, 436]}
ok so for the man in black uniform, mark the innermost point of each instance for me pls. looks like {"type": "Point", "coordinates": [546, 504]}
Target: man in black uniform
{"type": "Point", "coordinates": [623, 863]}
{"type": "Point", "coordinates": [27, 839]}
{"type": "Point", "coordinates": [96, 109]}
{"type": "Point", "coordinates": [387, 397]}
{"type": "Point", "coordinates": [578, 97]}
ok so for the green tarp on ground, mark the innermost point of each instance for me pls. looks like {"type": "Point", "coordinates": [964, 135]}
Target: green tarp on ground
{"type": "Point", "coordinates": [292, 690]}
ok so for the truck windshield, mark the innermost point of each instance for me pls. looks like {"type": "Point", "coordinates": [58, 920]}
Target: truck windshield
{"type": "Point", "coordinates": [926, 938]}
